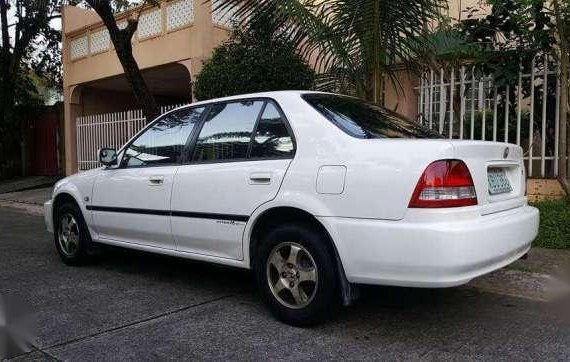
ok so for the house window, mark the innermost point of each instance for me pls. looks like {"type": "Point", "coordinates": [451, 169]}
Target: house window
{"type": "Point", "coordinates": [179, 14]}
{"type": "Point", "coordinates": [150, 24]}
{"type": "Point", "coordinates": [79, 47]}
{"type": "Point", "coordinates": [100, 41]}
{"type": "Point", "coordinates": [223, 17]}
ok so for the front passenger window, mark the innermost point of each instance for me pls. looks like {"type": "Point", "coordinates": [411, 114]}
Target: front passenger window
{"type": "Point", "coordinates": [164, 141]}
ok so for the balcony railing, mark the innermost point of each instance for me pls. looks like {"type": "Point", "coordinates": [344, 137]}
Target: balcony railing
{"type": "Point", "coordinates": [172, 16]}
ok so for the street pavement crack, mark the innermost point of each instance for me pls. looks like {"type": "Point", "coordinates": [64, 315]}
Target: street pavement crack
{"type": "Point", "coordinates": [133, 323]}
{"type": "Point", "coordinates": [49, 355]}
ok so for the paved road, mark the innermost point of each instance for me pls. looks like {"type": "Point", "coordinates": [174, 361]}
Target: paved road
{"type": "Point", "coordinates": [137, 306]}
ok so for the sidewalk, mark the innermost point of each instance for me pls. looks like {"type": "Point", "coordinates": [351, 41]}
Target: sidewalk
{"type": "Point", "coordinates": [30, 200]}
{"type": "Point", "coordinates": [26, 183]}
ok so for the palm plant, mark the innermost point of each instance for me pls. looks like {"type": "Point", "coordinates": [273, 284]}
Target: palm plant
{"type": "Point", "coordinates": [354, 44]}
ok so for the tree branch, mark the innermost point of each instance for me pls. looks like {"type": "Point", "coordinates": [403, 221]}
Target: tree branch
{"type": "Point", "coordinates": [132, 26]}
{"type": "Point", "coordinates": [29, 27]}
{"type": "Point", "coordinates": [133, 23]}
{"type": "Point", "coordinates": [103, 9]}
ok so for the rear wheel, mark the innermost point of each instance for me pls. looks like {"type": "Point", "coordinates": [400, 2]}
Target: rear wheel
{"type": "Point", "coordinates": [296, 275]}
{"type": "Point", "coordinates": [72, 239]}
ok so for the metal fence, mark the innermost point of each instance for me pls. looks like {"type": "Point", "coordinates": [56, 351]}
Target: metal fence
{"type": "Point", "coordinates": [463, 103]}
{"type": "Point", "coordinates": [107, 130]}
{"type": "Point", "coordinates": [460, 103]}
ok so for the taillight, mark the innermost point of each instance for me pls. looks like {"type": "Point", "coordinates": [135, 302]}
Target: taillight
{"type": "Point", "coordinates": [444, 183]}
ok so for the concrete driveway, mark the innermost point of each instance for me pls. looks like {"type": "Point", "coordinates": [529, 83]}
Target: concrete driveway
{"type": "Point", "coordinates": [137, 306]}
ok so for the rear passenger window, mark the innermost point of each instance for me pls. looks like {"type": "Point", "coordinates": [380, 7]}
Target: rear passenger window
{"type": "Point", "coordinates": [227, 131]}
{"type": "Point", "coordinates": [272, 139]}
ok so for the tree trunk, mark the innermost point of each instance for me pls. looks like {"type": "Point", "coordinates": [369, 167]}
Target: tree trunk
{"type": "Point", "coordinates": [134, 77]}
{"type": "Point", "coordinates": [377, 53]}
{"type": "Point", "coordinates": [375, 91]}
{"type": "Point", "coordinates": [6, 88]}
{"type": "Point", "coordinates": [563, 163]}
{"type": "Point", "coordinates": [564, 93]}
{"type": "Point", "coordinates": [121, 39]}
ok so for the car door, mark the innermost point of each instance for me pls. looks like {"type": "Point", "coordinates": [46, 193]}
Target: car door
{"type": "Point", "coordinates": [238, 161]}
{"type": "Point", "coordinates": [131, 202]}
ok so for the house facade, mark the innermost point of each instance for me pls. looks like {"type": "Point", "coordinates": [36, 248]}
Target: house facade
{"type": "Point", "coordinates": [170, 44]}
{"type": "Point", "coordinates": [174, 39]}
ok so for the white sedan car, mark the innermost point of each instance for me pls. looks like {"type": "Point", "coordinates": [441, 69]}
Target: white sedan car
{"type": "Point", "coordinates": [315, 192]}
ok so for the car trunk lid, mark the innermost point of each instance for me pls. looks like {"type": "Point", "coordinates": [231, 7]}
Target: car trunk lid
{"type": "Point", "coordinates": [498, 173]}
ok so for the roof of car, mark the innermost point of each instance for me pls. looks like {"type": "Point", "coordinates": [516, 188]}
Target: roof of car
{"type": "Point", "coordinates": [271, 94]}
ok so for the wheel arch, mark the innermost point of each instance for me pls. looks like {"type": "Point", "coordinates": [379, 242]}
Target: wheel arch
{"type": "Point", "coordinates": [279, 215]}
{"type": "Point", "coordinates": [59, 200]}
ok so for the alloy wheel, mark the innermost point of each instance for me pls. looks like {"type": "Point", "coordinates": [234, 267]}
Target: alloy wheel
{"type": "Point", "coordinates": [68, 234]}
{"type": "Point", "coordinates": [292, 275]}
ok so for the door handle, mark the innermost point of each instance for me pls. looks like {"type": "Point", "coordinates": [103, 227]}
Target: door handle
{"type": "Point", "coordinates": [260, 178]}
{"type": "Point", "coordinates": [156, 180]}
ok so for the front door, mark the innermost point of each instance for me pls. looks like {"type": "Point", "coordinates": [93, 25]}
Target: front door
{"type": "Point", "coordinates": [131, 202]}
{"type": "Point", "coordinates": [238, 162]}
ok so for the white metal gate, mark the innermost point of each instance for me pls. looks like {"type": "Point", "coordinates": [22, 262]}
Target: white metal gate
{"type": "Point", "coordinates": [463, 104]}
{"type": "Point", "coordinates": [107, 130]}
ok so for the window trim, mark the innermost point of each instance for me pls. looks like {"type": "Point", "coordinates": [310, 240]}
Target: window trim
{"type": "Point", "coordinates": [189, 152]}
{"type": "Point", "coordinates": [254, 130]}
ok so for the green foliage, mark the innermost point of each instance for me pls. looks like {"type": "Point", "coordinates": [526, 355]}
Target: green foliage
{"type": "Point", "coordinates": [478, 126]}
{"type": "Point", "coordinates": [125, 5]}
{"type": "Point", "coordinates": [354, 44]}
{"type": "Point", "coordinates": [446, 45]}
{"type": "Point", "coordinates": [499, 43]}
{"type": "Point", "coordinates": [118, 6]}
{"type": "Point", "coordinates": [258, 58]}
{"type": "Point", "coordinates": [511, 35]}
{"type": "Point", "coordinates": [30, 60]}
{"type": "Point", "coordinates": [554, 231]}
{"type": "Point", "coordinates": [36, 43]}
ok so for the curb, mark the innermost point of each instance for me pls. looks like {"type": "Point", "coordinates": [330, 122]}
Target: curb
{"type": "Point", "coordinates": [28, 208]}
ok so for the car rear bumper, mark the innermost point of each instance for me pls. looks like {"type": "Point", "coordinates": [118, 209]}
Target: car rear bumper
{"type": "Point", "coordinates": [427, 253]}
{"type": "Point", "coordinates": [48, 216]}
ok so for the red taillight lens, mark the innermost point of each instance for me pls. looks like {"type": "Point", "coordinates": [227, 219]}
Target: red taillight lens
{"type": "Point", "coordinates": [444, 183]}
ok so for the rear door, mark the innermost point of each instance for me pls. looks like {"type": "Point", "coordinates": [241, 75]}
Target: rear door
{"type": "Point", "coordinates": [131, 203]}
{"type": "Point", "coordinates": [237, 163]}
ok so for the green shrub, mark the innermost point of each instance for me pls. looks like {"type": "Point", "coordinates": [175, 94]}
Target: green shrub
{"type": "Point", "coordinates": [554, 231]}
{"type": "Point", "coordinates": [255, 59]}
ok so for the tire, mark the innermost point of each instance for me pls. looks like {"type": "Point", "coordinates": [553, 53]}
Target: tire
{"type": "Point", "coordinates": [296, 292]}
{"type": "Point", "coordinates": [71, 235]}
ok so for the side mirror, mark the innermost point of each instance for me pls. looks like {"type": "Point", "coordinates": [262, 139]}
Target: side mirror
{"type": "Point", "coordinates": [108, 156]}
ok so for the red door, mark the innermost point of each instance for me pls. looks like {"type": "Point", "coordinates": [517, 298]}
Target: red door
{"type": "Point", "coordinates": [43, 145]}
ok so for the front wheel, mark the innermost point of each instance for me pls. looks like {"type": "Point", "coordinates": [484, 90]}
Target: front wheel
{"type": "Point", "coordinates": [72, 239]}
{"type": "Point", "coordinates": [296, 275]}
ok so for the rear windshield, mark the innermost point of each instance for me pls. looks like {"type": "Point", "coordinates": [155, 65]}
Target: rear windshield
{"type": "Point", "coordinates": [365, 120]}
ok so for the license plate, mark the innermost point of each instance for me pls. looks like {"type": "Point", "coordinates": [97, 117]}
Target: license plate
{"type": "Point", "coordinates": [498, 181]}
